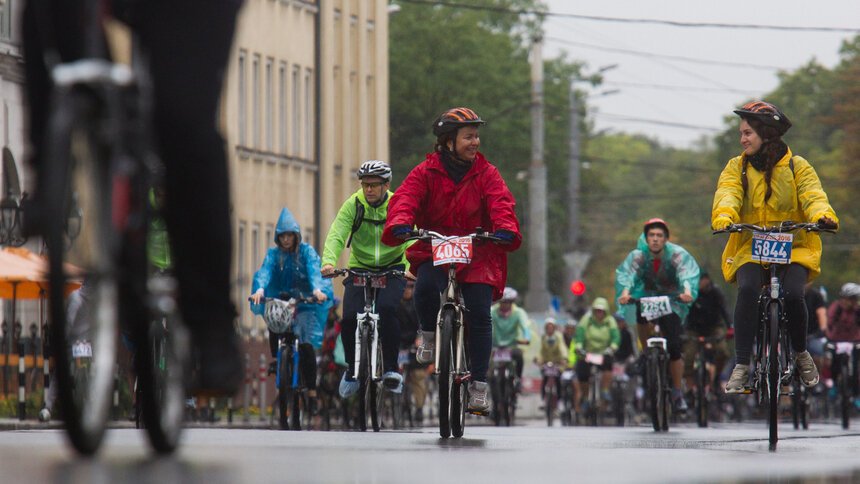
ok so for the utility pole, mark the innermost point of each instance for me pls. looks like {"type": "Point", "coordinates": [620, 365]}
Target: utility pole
{"type": "Point", "coordinates": [537, 297]}
{"type": "Point", "coordinates": [571, 272]}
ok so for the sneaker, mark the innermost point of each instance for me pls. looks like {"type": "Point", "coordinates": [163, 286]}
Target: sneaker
{"type": "Point", "coordinates": [806, 368]}
{"type": "Point", "coordinates": [679, 405]}
{"type": "Point", "coordinates": [478, 402]}
{"type": "Point", "coordinates": [44, 415]}
{"type": "Point", "coordinates": [393, 381]}
{"type": "Point", "coordinates": [426, 353]}
{"type": "Point", "coordinates": [347, 388]}
{"type": "Point", "coordinates": [739, 379]}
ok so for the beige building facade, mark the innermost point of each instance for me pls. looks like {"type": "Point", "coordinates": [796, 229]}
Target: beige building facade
{"type": "Point", "coordinates": [305, 102]}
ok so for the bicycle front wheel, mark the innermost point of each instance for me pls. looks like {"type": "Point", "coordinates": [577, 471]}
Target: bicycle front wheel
{"type": "Point", "coordinates": [845, 394]}
{"type": "Point", "coordinates": [701, 394]}
{"type": "Point", "coordinates": [773, 374]}
{"type": "Point", "coordinates": [284, 377]}
{"type": "Point", "coordinates": [445, 374]}
{"type": "Point", "coordinates": [655, 392]}
{"type": "Point", "coordinates": [363, 377]}
{"type": "Point", "coordinates": [82, 246]}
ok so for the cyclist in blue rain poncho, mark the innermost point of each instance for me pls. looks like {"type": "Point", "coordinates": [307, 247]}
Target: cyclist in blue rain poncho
{"type": "Point", "coordinates": [658, 267]}
{"type": "Point", "coordinates": [293, 266]}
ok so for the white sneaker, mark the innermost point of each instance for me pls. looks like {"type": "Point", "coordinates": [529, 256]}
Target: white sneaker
{"type": "Point", "coordinates": [478, 402]}
{"type": "Point", "coordinates": [426, 353]}
{"type": "Point", "coordinates": [739, 380]}
{"type": "Point", "coordinates": [44, 415]}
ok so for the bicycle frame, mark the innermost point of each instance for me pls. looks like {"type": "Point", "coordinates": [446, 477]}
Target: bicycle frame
{"type": "Point", "coordinates": [367, 318]}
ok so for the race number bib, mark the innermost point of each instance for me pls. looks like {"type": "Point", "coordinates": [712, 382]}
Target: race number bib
{"type": "Point", "coordinates": [655, 307]}
{"type": "Point", "coordinates": [502, 355]}
{"type": "Point", "coordinates": [771, 247]}
{"type": "Point", "coordinates": [594, 358]}
{"type": "Point", "coordinates": [82, 349]}
{"type": "Point", "coordinates": [458, 249]}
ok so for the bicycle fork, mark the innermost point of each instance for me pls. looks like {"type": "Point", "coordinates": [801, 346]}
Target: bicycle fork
{"type": "Point", "coordinates": [372, 319]}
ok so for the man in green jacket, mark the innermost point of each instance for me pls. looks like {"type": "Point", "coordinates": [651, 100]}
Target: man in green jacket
{"type": "Point", "coordinates": [511, 327]}
{"type": "Point", "coordinates": [358, 226]}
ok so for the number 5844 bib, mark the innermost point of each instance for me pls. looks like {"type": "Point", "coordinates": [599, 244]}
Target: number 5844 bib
{"type": "Point", "coordinates": [771, 247]}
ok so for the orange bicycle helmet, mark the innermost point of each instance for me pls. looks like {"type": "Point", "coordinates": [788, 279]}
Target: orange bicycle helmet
{"type": "Point", "coordinates": [767, 113]}
{"type": "Point", "coordinates": [455, 118]}
{"type": "Point", "coordinates": [656, 222]}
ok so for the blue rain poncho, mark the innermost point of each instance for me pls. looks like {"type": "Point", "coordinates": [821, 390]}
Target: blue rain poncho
{"type": "Point", "coordinates": [678, 272]}
{"type": "Point", "coordinates": [297, 273]}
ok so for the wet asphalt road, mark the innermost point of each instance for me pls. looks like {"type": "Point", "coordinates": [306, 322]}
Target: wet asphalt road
{"type": "Point", "coordinates": [529, 452]}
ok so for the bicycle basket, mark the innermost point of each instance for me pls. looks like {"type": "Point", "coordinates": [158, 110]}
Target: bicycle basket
{"type": "Point", "coordinates": [279, 315]}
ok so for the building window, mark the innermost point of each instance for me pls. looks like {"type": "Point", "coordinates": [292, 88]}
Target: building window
{"type": "Point", "coordinates": [282, 106]}
{"type": "Point", "coordinates": [269, 106]}
{"type": "Point", "coordinates": [255, 109]}
{"type": "Point", "coordinates": [270, 235]}
{"type": "Point", "coordinates": [243, 101]}
{"type": "Point", "coordinates": [6, 19]}
{"type": "Point", "coordinates": [296, 112]}
{"type": "Point", "coordinates": [309, 115]}
{"type": "Point", "coordinates": [240, 251]}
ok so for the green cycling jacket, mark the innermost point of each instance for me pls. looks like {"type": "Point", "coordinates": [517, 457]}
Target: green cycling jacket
{"type": "Point", "coordinates": [366, 249]}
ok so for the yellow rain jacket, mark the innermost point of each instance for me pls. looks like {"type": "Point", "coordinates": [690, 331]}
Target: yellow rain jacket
{"type": "Point", "coordinates": [796, 196]}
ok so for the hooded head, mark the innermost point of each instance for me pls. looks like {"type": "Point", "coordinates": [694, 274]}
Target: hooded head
{"type": "Point", "coordinates": [287, 223]}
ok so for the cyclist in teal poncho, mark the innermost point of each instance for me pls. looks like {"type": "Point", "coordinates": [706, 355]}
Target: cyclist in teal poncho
{"type": "Point", "coordinates": [658, 267]}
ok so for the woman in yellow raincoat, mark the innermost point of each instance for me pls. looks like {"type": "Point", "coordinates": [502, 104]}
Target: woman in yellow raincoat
{"type": "Point", "coordinates": [766, 185]}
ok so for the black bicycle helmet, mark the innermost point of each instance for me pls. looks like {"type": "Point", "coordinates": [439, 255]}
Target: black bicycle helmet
{"type": "Point", "coordinates": [454, 119]}
{"type": "Point", "coordinates": [767, 114]}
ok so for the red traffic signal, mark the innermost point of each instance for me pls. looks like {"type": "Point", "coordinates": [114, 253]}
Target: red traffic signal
{"type": "Point", "coordinates": [577, 288]}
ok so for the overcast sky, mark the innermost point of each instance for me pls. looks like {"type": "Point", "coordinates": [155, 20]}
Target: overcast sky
{"type": "Point", "coordinates": [695, 94]}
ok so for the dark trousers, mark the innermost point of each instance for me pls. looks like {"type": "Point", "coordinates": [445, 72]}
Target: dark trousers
{"type": "Point", "coordinates": [477, 298]}
{"type": "Point", "coordinates": [188, 42]}
{"type": "Point", "coordinates": [387, 302]}
{"type": "Point", "coordinates": [751, 277]}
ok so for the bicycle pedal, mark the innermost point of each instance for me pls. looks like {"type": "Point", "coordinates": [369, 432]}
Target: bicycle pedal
{"type": "Point", "coordinates": [480, 414]}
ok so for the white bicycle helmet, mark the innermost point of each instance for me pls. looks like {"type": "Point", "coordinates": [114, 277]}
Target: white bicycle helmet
{"type": "Point", "coordinates": [849, 290]}
{"type": "Point", "coordinates": [374, 168]}
{"type": "Point", "coordinates": [509, 294]}
{"type": "Point", "coordinates": [279, 315]}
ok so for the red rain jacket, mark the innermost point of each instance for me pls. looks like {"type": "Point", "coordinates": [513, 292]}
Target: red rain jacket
{"type": "Point", "coordinates": [429, 199]}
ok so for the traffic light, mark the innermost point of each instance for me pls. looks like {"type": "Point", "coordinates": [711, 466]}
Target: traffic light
{"type": "Point", "coordinates": [577, 288]}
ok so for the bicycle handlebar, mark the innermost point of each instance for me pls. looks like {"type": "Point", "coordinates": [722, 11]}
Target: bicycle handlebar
{"type": "Point", "coordinates": [426, 235]}
{"type": "Point", "coordinates": [366, 273]}
{"type": "Point", "coordinates": [786, 226]}
{"type": "Point", "coordinates": [300, 300]}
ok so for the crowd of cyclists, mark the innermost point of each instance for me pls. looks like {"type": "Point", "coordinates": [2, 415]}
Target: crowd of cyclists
{"type": "Point", "coordinates": [456, 191]}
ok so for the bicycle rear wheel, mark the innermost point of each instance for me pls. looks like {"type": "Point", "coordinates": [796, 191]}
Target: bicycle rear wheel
{"type": "Point", "coordinates": [773, 375]}
{"type": "Point", "coordinates": [164, 361]}
{"type": "Point", "coordinates": [82, 245]}
{"type": "Point", "coordinates": [445, 375]}
{"type": "Point", "coordinates": [845, 394]}
{"type": "Point", "coordinates": [549, 401]}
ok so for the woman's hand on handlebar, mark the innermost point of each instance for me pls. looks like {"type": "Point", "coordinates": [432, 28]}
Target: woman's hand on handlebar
{"type": "Point", "coordinates": [256, 297]}
{"type": "Point", "coordinates": [828, 223]}
{"type": "Point", "coordinates": [321, 297]}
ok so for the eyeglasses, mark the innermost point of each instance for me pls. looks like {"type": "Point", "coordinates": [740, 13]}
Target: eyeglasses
{"type": "Point", "coordinates": [373, 186]}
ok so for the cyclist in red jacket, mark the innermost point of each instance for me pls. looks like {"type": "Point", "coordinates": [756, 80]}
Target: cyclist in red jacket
{"type": "Point", "coordinates": [453, 192]}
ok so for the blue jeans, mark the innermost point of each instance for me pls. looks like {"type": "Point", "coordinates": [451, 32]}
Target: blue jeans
{"type": "Point", "coordinates": [477, 297]}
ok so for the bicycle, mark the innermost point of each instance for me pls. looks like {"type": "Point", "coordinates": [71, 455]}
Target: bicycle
{"type": "Point", "coordinates": [503, 384]}
{"type": "Point", "coordinates": [99, 166]}
{"type": "Point", "coordinates": [592, 403]}
{"type": "Point", "coordinates": [451, 364]}
{"type": "Point", "coordinates": [367, 369]}
{"type": "Point", "coordinates": [702, 367]}
{"type": "Point", "coordinates": [279, 314]}
{"type": "Point", "coordinates": [568, 413]}
{"type": "Point", "coordinates": [773, 366]}
{"type": "Point", "coordinates": [657, 388]}
{"type": "Point", "coordinates": [843, 355]}
{"type": "Point", "coordinates": [551, 373]}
